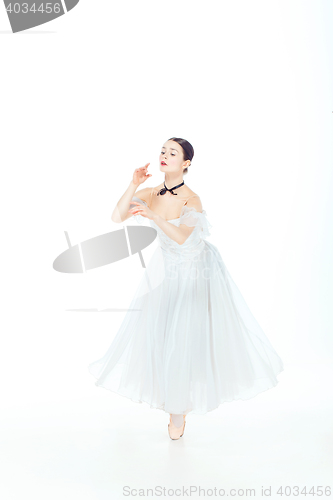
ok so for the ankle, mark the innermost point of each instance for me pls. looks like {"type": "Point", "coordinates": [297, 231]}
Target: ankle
{"type": "Point", "coordinates": [177, 419]}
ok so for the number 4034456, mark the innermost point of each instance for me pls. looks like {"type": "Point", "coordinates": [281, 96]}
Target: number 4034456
{"type": "Point", "coordinates": [24, 8]}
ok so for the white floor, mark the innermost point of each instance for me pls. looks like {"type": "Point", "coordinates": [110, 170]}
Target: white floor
{"type": "Point", "coordinates": [92, 448]}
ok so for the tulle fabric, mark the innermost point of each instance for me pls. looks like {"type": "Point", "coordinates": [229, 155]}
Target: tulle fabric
{"type": "Point", "coordinates": [188, 216]}
{"type": "Point", "coordinates": [190, 341]}
{"type": "Point", "coordinates": [138, 218]}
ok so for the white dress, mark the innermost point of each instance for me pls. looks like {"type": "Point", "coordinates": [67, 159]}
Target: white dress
{"type": "Point", "coordinates": [192, 343]}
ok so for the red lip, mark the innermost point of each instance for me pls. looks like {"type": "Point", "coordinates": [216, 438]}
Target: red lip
{"type": "Point", "coordinates": [163, 163]}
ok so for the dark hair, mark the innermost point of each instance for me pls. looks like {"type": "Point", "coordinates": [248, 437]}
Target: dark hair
{"type": "Point", "coordinates": [188, 151]}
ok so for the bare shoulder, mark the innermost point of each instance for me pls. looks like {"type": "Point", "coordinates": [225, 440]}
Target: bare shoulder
{"type": "Point", "coordinates": [194, 202]}
{"type": "Point", "coordinates": [191, 195]}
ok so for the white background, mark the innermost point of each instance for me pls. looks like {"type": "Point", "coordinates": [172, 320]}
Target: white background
{"type": "Point", "coordinates": [84, 101]}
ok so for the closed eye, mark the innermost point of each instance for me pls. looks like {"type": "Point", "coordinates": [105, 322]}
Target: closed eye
{"type": "Point", "coordinates": [172, 154]}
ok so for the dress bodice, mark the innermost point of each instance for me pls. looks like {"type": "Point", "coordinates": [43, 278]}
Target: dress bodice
{"type": "Point", "coordinates": [193, 245]}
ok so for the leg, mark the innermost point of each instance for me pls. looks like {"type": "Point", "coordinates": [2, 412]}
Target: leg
{"type": "Point", "coordinates": [178, 420]}
{"type": "Point", "coordinates": [176, 426]}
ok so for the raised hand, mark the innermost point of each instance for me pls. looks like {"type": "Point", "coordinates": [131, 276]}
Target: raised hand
{"type": "Point", "coordinates": [141, 175]}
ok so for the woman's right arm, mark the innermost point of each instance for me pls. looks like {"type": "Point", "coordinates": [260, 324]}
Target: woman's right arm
{"type": "Point", "coordinates": [120, 212]}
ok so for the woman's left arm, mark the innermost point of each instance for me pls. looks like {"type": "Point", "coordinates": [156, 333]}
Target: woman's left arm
{"type": "Point", "coordinates": [181, 233]}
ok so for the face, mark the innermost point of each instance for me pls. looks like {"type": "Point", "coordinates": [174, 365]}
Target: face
{"type": "Point", "coordinates": [171, 157]}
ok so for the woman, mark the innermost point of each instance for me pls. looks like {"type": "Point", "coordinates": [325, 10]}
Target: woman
{"type": "Point", "coordinates": [191, 342]}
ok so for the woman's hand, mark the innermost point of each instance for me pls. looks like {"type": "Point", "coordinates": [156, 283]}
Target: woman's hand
{"type": "Point", "coordinates": [141, 210]}
{"type": "Point", "coordinates": [141, 175]}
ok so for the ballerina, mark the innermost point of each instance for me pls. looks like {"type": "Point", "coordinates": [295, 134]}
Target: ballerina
{"type": "Point", "coordinates": [192, 342]}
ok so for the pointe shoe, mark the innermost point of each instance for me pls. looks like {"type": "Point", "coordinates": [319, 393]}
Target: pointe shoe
{"type": "Point", "coordinates": [176, 432]}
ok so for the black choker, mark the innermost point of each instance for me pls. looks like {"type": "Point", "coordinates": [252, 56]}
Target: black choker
{"type": "Point", "coordinates": [163, 191]}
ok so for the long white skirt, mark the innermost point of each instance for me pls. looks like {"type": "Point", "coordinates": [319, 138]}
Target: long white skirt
{"type": "Point", "coordinates": [192, 342]}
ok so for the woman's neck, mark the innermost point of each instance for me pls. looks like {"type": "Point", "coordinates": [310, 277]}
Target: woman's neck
{"type": "Point", "coordinates": [173, 180]}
